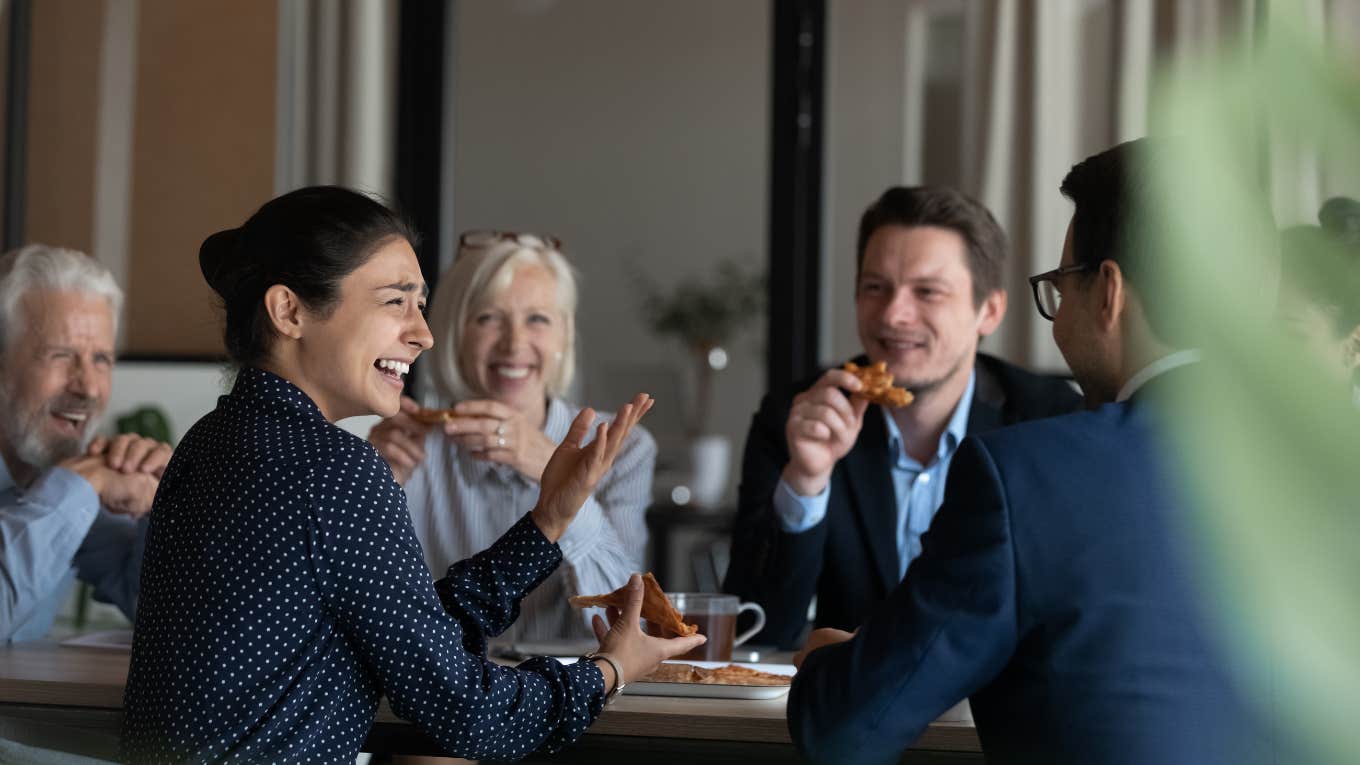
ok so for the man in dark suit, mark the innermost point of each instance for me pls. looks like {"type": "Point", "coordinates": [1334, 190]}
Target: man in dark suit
{"type": "Point", "coordinates": [835, 493]}
{"type": "Point", "coordinates": [1058, 587]}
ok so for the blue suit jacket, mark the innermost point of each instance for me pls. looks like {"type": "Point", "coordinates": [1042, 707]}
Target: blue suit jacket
{"type": "Point", "coordinates": [1057, 589]}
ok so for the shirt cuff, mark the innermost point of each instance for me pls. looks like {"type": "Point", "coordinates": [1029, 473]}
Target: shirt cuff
{"type": "Point", "coordinates": [64, 490]}
{"type": "Point", "coordinates": [584, 532]}
{"type": "Point", "coordinates": [524, 557]}
{"type": "Point", "coordinates": [797, 513]}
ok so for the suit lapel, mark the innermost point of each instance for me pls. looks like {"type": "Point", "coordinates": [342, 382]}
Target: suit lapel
{"type": "Point", "coordinates": [870, 472]}
{"type": "Point", "coordinates": [989, 400]}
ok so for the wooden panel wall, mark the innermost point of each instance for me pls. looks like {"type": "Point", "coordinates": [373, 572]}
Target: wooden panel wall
{"type": "Point", "coordinates": [66, 44]}
{"type": "Point", "coordinates": [203, 157]}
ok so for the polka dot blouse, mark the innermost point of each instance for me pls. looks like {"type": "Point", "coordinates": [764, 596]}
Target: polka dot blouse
{"type": "Point", "coordinates": [283, 592]}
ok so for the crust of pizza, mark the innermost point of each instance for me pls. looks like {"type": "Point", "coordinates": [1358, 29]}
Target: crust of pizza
{"type": "Point", "coordinates": [675, 673]}
{"type": "Point", "coordinates": [732, 674]}
{"type": "Point", "coordinates": [878, 385]}
{"type": "Point", "coordinates": [656, 607]}
{"type": "Point", "coordinates": [433, 416]}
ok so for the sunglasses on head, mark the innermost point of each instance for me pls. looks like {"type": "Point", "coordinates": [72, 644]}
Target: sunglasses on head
{"type": "Point", "coordinates": [474, 240]}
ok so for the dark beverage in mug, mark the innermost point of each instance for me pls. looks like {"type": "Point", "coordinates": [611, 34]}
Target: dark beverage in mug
{"type": "Point", "coordinates": [721, 631]}
{"type": "Point", "coordinates": [716, 617]}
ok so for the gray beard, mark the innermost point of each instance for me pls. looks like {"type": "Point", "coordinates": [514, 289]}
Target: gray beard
{"type": "Point", "coordinates": [28, 444]}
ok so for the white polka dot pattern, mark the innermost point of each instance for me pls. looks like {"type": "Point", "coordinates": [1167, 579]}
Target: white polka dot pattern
{"type": "Point", "coordinates": [283, 592]}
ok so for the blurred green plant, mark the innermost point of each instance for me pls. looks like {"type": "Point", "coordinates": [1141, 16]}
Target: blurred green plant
{"type": "Point", "coordinates": [706, 315]}
{"type": "Point", "coordinates": [148, 421]}
{"type": "Point", "coordinates": [1269, 435]}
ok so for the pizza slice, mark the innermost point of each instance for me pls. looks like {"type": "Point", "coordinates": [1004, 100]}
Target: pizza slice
{"type": "Point", "coordinates": [675, 672]}
{"type": "Point", "coordinates": [732, 674]}
{"type": "Point", "coordinates": [735, 674]}
{"type": "Point", "coordinates": [878, 385]}
{"type": "Point", "coordinates": [656, 607]}
{"type": "Point", "coordinates": [433, 416]}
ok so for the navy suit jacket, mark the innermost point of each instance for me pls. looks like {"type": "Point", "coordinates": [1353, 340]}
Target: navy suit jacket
{"type": "Point", "coordinates": [1058, 590]}
{"type": "Point", "coordinates": [849, 560]}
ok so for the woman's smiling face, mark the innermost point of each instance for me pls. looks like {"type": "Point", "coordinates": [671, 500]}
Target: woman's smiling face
{"type": "Point", "coordinates": [356, 357]}
{"type": "Point", "coordinates": [514, 340]}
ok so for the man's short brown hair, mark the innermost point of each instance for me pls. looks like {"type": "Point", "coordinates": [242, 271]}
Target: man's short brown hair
{"type": "Point", "coordinates": [945, 208]}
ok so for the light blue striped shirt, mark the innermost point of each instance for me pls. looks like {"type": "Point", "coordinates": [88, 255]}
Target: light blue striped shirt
{"type": "Point", "coordinates": [460, 505]}
{"type": "Point", "coordinates": [919, 489]}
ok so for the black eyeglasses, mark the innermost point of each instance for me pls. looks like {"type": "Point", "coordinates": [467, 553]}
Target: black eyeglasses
{"type": "Point", "coordinates": [1047, 297]}
{"type": "Point", "coordinates": [479, 239]}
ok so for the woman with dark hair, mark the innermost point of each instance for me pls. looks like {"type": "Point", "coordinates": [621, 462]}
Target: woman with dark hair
{"type": "Point", "coordinates": [283, 589]}
{"type": "Point", "coordinates": [1320, 284]}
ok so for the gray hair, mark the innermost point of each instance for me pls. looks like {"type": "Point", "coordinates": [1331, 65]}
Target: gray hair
{"type": "Point", "coordinates": [43, 267]}
{"type": "Point", "coordinates": [477, 275]}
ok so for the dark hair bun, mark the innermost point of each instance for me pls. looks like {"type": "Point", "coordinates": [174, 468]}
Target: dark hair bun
{"type": "Point", "coordinates": [1341, 217]}
{"type": "Point", "coordinates": [307, 240]}
{"type": "Point", "coordinates": [220, 262]}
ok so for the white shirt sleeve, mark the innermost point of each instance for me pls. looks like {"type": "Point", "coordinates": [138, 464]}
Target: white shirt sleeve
{"type": "Point", "coordinates": [608, 539]}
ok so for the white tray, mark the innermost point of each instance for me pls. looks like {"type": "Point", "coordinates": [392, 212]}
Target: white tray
{"type": "Point", "coordinates": [716, 691]}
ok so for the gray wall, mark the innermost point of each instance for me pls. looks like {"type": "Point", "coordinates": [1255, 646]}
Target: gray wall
{"type": "Point", "coordinates": [637, 133]}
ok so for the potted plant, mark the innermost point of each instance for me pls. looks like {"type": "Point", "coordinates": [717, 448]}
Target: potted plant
{"type": "Point", "coordinates": [706, 315]}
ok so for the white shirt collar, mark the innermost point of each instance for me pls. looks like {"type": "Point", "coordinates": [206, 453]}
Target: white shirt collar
{"type": "Point", "coordinates": [1160, 366]}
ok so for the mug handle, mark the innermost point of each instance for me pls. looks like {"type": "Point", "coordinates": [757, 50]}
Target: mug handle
{"type": "Point", "coordinates": [757, 627]}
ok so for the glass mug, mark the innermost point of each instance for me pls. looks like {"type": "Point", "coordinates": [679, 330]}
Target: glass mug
{"type": "Point", "coordinates": [716, 616]}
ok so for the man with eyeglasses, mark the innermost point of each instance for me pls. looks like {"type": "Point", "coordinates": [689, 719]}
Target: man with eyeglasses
{"type": "Point", "coordinates": [835, 494]}
{"type": "Point", "coordinates": [1057, 588]}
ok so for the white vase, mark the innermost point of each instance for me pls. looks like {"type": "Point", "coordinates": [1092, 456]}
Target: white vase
{"type": "Point", "coordinates": [710, 461]}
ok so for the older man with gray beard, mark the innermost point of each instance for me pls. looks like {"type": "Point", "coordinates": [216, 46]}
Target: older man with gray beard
{"type": "Point", "coordinates": [70, 503]}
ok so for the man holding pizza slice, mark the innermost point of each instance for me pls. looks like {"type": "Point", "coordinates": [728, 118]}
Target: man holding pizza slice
{"type": "Point", "coordinates": [835, 491]}
{"type": "Point", "coordinates": [1065, 587]}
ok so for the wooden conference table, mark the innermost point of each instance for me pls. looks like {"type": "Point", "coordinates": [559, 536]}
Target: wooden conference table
{"type": "Point", "coordinates": [83, 688]}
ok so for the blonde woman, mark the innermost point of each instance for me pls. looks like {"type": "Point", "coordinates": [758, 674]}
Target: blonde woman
{"type": "Point", "coordinates": [504, 356]}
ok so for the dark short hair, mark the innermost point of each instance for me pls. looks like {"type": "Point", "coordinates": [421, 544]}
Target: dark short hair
{"type": "Point", "coordinates": [1340, 218]}
{"type": "Point", "coordinates": [1111, 220]}
{"type": "Point", "coordinates": [308, 240]}
{"type": "Point", "coordinates": [1105, 190]}
{"type": "Point", "coordinates": [945, 208]}
{"type": "Point", "coordinates": [1323, 262]}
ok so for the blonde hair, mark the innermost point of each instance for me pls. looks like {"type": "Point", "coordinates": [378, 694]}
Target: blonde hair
{"type": "Point", "coordinates": [478, 274]}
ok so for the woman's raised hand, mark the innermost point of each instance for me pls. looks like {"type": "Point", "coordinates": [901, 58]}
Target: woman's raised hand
{"type": "Point", "coordinates": [400, 439]}
{"type": "Point", "coordinates": [574, 470]}
{"type": "Point", "coordinates": [636, 652]}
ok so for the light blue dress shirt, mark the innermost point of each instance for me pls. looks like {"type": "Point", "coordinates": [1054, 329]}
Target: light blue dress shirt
{"type": "Point", "coordinates": [52, 533]}
{"type": "Point", "coordinates": [919, 489]}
